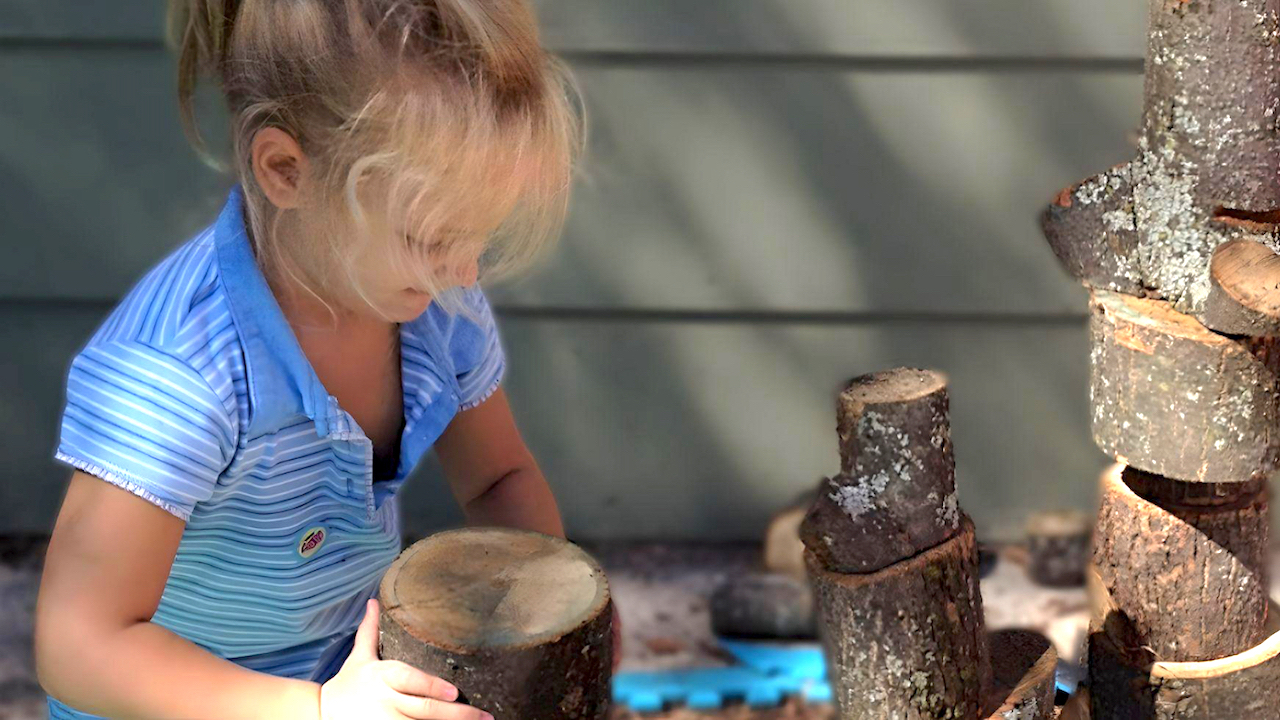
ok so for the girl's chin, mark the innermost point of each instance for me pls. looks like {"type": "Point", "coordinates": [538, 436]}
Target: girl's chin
{"type": "Point", "coordinates": [413, 302]}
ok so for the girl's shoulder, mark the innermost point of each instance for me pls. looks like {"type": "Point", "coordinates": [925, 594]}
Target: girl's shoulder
{"type": "Point", "coordinates": [178, 299]}
{"type": "Point", "coordinates": [465, 340]}
{"type": "Point", "coordinates": [178, 309]}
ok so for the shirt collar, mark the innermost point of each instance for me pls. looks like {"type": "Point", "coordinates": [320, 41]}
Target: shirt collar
{"type": "Point", "coordinates": [281, 381]}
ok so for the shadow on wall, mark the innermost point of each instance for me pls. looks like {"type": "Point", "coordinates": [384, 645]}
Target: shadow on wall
{"type": "Point", "coordinates": [818, 190]}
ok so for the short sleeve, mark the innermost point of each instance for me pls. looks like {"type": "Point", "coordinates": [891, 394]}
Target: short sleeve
{"type": "Point", "coordinates": [475, 348]}
{"type": "Point", "coordinates": [146, 421]}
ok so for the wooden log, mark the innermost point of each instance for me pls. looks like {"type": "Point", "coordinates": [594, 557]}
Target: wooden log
{"type": "Point", "coordinates": [1125, 683]}
{"type": "Point", "coordinates": [1173, 398]}
{"type": "Point", "coordinates": [1023, 664]}
{"type": "Point", "coordinates": [896, 494]}
{"type": "Point", "coordinates": [1244, 289]}
{"type": "Point", "coordinates": [906, 641]}
{"type": "Point", "coordinates": [1212, 89]}
{"type": "Point", "coordinates": [519, 621]}
{"type": "Point", "coordinates": [1058, 547]}
{"type": "Point", "coordinates": [763, 605]}
{"type": "Point", "coordinates": [783, 549]}
{"type": "Point", "coordinates": [1187, 581]}
{"type": "Point", "coordinates": [1077, 707]}
{"type": "Point", "coordinates": [1204, 173]}
{"type": "Point", "coordinates": [1090, 228]}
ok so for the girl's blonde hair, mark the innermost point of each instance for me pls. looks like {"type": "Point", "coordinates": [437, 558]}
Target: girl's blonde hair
{"type": "Point", "coordinates": [441, 119]}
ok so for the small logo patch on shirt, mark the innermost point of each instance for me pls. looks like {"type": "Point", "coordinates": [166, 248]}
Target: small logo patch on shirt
{"type": "Point", "coordinates": [311, 542]}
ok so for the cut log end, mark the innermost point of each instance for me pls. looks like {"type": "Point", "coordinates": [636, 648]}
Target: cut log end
{"type": "Point", "coordinates": [1023, 667]}
{"type": "Point", "coordinates": [898, 385]}
{"type": "Point", "coordinates": [518, 621]}
{"type": "Point", "coordinates": [1126, 310]}
{"type": "Point", "coordinates": [1244, 292]}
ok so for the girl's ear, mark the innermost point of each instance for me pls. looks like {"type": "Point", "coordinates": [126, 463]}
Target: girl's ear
{"type": "Point", "coordinates": [279, 166]}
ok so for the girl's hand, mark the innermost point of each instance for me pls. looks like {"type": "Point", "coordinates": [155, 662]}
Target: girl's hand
{"type": "Point", "coordinates": [367, 687]}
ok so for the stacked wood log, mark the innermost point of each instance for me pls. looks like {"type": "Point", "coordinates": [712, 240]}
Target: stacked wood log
{"type": "Point", "coordinates": [519, 621]}
{"type": "Point", "coordinates": [893, 563]}
{"type": "Point", "coordinates": [1058, 547]}
{"type": "Point", "coordinates": [1179, 249]}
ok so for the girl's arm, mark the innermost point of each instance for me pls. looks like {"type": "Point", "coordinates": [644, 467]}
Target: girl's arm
{"type": "Point", "coordinates": [496, 481]}
{"type": "Point", "coordinates": [492, 474]}
{"type": "Point", "coordinates": [96, 649]}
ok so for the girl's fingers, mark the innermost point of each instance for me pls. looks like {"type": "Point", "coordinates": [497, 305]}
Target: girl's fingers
{"type": "Point", "coordinates": [404, 678]}
{"type": "Point", "coordinates": [421, 708]}
{"type": "Point", "coordinates": [365, 648]}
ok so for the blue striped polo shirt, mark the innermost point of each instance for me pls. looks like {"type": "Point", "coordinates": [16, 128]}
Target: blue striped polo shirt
{"type": "Point", "coordinates": [195, 395]}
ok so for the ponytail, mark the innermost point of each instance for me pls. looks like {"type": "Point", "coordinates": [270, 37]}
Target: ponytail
{"type": "Point", "coordinates": [199, 31]}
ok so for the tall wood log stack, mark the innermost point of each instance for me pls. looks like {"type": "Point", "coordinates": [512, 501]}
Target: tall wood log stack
{"type": "Point", "coordinates": [1178, 247]}
{"type": "Point", "coordinates": [893, 563]}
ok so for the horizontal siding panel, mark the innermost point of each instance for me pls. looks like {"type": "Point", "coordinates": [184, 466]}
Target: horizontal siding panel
{"type": "Point", "coordinates": [912, 28]}
{"type": "Point", "coordinates": [710, 189]}
{"type": "Point", "coordinates": [678, 430]}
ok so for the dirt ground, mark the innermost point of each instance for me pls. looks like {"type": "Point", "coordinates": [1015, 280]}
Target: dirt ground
{"type": "Point", "coordinates": [661, 591]}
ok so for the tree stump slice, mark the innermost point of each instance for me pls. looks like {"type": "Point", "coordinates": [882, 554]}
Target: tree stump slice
{"type": "Point", "coordinates": [1189, 582]}
{"type": "Point", "coordinates": [1091, 230]}
{"type": "Point", "coordinates": [519, 621]}
{"type": "Point", "coordinates": [783, 549]}
{"type": "Point", "coordinates": [1125, 683]}
{"type": "Point", "coordinates": [895, 495]}
{"type": "Point", "coordinates": [1173, 398]}
{"type": "Point", "coordinates": [1244, 289]}
{"type": "Point", "coordinates": [1058, 547]}
{"type": "Point", "coordinates": [906, 641]}
{"type": "Point", "coordinates": [1023, 666]}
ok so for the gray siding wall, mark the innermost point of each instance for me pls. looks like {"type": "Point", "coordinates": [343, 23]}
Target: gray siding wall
{"type": "Point", "coordinates": [778, 196]}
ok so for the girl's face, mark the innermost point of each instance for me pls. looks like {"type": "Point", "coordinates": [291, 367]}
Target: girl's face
{"type": "Point", "coordinates": [384, 273]}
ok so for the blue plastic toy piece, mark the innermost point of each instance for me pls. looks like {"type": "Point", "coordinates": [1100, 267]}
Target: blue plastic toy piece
{"type": "Point", "coordinates": [799, 660]}
{"type": "Point", "coordinates": [768, 674]}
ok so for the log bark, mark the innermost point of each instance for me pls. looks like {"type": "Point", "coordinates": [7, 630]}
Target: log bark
{"type": "Point", "coordinates": [1212, 93]}
{"type": "Point", "coordinates": [1023, 664]}
{"type": "Point", "coordinates": [1173, 398]}
{"type": "Point", "coordinates": [1125, 684]}
{"type": "Point", "coordinates": [1091, 229]}
{"type": "Point", "coordinates": [1189, 582]}
{"type": "Point", "coordinates": [896, 494]}
{"type": "Point", "coordinates": [906, 641]}
{"type": "Point", "coordinates": [1205, 170]}
{"type": "Point", "coordinates": [520, 622]}
{"type": "Point", "coordinates": [1058, 547]}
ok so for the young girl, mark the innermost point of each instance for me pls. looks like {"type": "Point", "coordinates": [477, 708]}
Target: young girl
{"type": "Point", "coordinates": [242, 423]}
